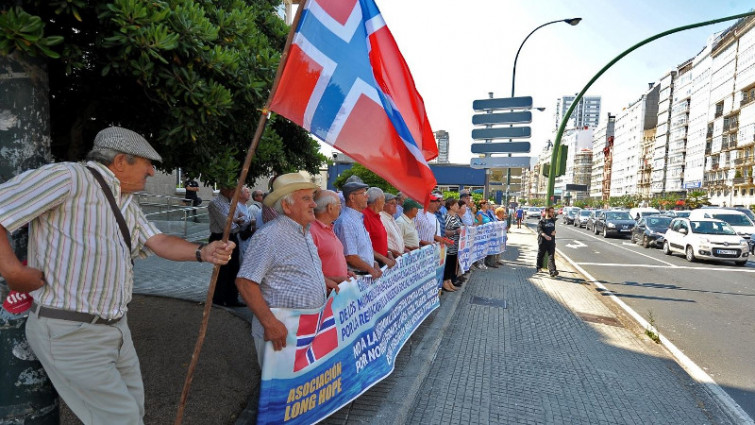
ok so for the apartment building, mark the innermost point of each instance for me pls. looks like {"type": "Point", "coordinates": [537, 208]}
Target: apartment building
{"type": "Point", "coordinates": [660, 145]}
{"type": "Point", "coordinates": [586, 113]}
{"type": "Point", "coordinates": [679, 121]}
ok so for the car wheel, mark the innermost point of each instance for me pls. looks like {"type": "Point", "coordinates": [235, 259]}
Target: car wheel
{"type": "Point", "coordinates": [740, 263]}
{"type": "Point", "coordinates": [666, 248]}
{"type": "Point", "coordinates": [645, 242]}
{"type": "Point", "coordinates": [595, 229]}
{"type": "Point", "coordinates": [690, 253]}
{"type": "Point", "coordinates": [605, 232]}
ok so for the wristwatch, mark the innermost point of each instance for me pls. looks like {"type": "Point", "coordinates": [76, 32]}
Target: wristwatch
{"type": "Point", "coordinates": [198, 252]}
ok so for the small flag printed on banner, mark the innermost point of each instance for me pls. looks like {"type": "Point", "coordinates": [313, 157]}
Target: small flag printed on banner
{"type": "Point", "coordinates": [316, 336]}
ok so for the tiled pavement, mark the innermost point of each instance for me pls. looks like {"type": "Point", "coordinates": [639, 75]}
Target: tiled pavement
{"type": "Point", "coordinates": [512, 347]}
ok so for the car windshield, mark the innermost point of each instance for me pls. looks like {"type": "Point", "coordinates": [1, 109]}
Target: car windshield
{"type": "Point", "coordinates": [734, 219]}
{"type": "Point", "coordinates": [682, 213]}
{"type": "Point", "coordinates": [584, 213]}
{"type": "Point", "coordinates": [712, 228]}
{"type": "Point", "coordinates": [618, 216]}
{"type": "Point", "coordinates": [572, 212]}
{"type": "Point", "coordinates": [658, 222]}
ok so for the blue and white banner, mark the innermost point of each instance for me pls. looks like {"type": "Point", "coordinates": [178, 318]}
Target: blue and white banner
{"type": "Point", "coordinates": [475, 243]}
{"type": "Point", "coordinates": [336, 353]}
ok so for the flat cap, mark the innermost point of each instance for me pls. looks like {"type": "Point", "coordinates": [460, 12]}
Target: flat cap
{"type": "Point", "coordinates": [125, 141]}
{"type": "Point", "coordinates": [352, 184]}
{"type": "Point", "coordinates": [410, 203]}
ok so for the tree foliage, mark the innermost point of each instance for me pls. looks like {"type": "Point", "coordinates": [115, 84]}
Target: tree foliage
{"type": "Point", "coordinates": [367, 176]}
{"type": "Point", "coordinates": [190, 75]}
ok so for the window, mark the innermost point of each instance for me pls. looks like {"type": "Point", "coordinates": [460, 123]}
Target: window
{"type": "Point", "coordinates": [719, 109]}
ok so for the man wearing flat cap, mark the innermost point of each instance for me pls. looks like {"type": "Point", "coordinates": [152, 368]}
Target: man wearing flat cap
{"type": "Point", "coordinates": [350, 229]}
{"type": "Point", "coordinates": [85, 229]}
{"type": "Point", "coordinates": [283, 269]}
{"type": "Point", "coordinates": [407, 225]}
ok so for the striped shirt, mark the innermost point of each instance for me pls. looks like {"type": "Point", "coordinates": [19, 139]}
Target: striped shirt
{"type": "Point", "coordinates": [286, 265]}
{"type": "Point", "coordinates": [395, 238]}
{"type": "Point", "coordinates": [218, 214]}
{"type": "Point", "coordinates": [349, 228]}
{"type": "Point", "coordinates": [74, 237]}
{"type": "Point", "coordinates": [427, 226]}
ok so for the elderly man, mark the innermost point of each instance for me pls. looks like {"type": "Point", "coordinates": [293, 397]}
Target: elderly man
{"type": "Point", "coordinates": [247, 230]}
{"type": "Point", "coordinates": [374, 226]}
{"type": "Point", "coordinates": [85, 229]}
{"type": "Point", "coordinates": [329, 247]}
{"type": "Point", "coordinates": [400, 198]}
{"type": "Point", "coordinates": [428, 226]}
{"type": "Point", "coordinates": [350, 229]}
{"type": "Point", "coordinates": [255, 207]}
{"type": "Point", "coordinates": [407, 226]}
{"type": "Point", "coordinates": [395, 238]}
{"type": "Point", "coordinates": [226, 293]}
{"type": "Point", "coordinates": [283, 270]}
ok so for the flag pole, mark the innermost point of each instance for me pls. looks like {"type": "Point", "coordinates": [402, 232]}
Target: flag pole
{"type": "Point", "coordinates": [261, 123]}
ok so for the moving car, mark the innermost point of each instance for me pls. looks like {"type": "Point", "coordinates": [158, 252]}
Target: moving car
{"type": "Point", "coordinates": [650, 230]}
{"type": "Point", "coordinates": [581, 219]}
{"type": "Point", "coordinates": [570, 215]}
{"type": "Point", "coordinates": [705, 238]}
{"type": "Point", "coordinates": [590, 224]}
{"type": "Point", "coordinates": [616, 223]}
{"type": "Point", "coordinates": [737, 220]}
{"type": "Point", "coordinates": [533, 212]}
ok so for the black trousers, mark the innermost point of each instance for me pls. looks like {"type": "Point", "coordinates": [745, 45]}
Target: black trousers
{"type": "Point", "coordinates": [550, 247]}
{"type": "Point", "coordinates": [225, 290]}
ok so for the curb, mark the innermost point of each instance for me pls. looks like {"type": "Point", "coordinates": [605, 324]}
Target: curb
{"type": "Point", "coordinates": [728, 406]}
{"type": "Point", "coordinates": [402, 396]}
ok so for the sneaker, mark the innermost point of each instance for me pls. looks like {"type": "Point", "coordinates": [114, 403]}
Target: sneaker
{"type": "Point", "coordinates": [554, 273]}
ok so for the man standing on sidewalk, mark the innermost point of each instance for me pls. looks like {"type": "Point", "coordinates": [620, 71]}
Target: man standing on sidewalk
{"type": "Point", "coordinates": [546, 241]}
{"type": "Point", "coordinates": [85, 230]}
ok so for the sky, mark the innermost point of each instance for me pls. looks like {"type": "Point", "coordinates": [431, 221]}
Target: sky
{"type": "Point", "coordinates": [460, 51]}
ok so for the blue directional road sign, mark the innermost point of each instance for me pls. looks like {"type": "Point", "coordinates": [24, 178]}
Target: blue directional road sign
{"type": "Point", "coordinates": [524, 102]}
{"type": "Point", "coordinates": [501, 133]}
{"type": "Point", "coordinates": [501, 162]}
{"type": "Point", "coordinates": [505, 147]}
{"type": "Point", "coordinates": [524, 117]}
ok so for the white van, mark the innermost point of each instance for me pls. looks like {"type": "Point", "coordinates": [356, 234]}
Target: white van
{"type": "Point", "coordinates": [737, 220]}
{"type": "Point", "coordinates": [638, 213]}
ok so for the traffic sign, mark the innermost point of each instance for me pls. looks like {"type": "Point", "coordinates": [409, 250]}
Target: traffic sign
{"type": "Point", "coordinates": [503, 162]}
{"type": "Point", "coordinates": [501, 133]}
{"type": "Point", "coordinates": [524, 102]}
{"type": "Point", "coordinates": [503, 118]}
{"type": "Point", "coordinates": [504, 147]}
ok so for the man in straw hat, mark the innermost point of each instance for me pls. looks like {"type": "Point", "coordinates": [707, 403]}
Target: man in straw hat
{"type": "Point", "coordinates": [283, 269]}
{"type": "Point", "coordinates": [85, 229]}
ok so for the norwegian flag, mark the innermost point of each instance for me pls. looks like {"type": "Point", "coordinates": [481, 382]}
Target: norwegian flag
{"type": "Point", "coordinates": [316, 336]}
{"type": "Point", "coordinates": [345, 81]}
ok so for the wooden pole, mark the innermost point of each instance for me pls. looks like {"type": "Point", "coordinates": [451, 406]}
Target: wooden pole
{"type": "Point", "coordinates": [264, 115]}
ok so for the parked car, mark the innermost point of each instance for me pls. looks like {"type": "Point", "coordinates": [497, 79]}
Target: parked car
{"type": "Point", "coordinates": [616, 223]}
{"type": "Point", "coordinates": [737, 220]}
{"type": "Point", "coordinates": [705, 238]}
{"type": "Point", "coordinates": [590, 224]}
{"type": "Point", "coordinates": [581, 219]}
{"type": "Point", "coordinates": [638, 213]}
{"type": "Point", "coordinates": [676, 213]}
{"type": "Point", "coordinates": [570, 214]}
{"type": "Point", "coordinates": [650, 230]}
{"type": "Point", "coordinates": [746, 211]}
{"type": "Point", "coordinates": [533, 212]}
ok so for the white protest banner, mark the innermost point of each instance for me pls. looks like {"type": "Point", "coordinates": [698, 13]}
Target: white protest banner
{"type": "Point", "coordinates": [475, 243]}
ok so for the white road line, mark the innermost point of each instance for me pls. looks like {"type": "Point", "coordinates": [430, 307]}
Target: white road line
{"type": "Point", "coordinates": [627, 249]}
{"type": "Point", "coordinates": [658, 266]}
{"type": "Point", "coordinates": [697, 373]}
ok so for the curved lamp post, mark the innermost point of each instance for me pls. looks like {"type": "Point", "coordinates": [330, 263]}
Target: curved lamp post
{"type": "Point", "coordinates": [557, 143]}
{"type": "Point", "coordinates": [572, 22]}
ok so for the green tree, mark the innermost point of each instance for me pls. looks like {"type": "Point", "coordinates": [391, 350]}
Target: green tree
{"type": "Point", "coordinates": [697, 199]}
{"type": "Point", "coordinates": [190, 75]}
{"type": "Point", "coordinates": [367, 176]}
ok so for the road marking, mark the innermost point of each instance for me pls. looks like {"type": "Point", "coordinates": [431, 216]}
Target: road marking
{"type": "Point", "coordinates": [631, 250]}
{"type": "Point", "coordinates": [658, 266]}
{"type": "Point", "coordinates": [577, 244]}
{"type": "Point", "coordinates": [695, 371]}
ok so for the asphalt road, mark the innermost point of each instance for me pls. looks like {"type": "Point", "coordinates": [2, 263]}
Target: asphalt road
{"type": "Point", "coordinates": [705, 308]}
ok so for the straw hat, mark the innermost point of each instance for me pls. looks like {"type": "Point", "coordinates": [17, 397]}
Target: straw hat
{"type": "Point", "coordinates": [286, 184]}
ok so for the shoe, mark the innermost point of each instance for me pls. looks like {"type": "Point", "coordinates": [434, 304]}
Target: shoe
{"type": "Point", "coordinates": [554, 274]}
{"type": "Point", "coordinates": [448, 287]}
{"type": "Point", "coordinates": [537, 269]}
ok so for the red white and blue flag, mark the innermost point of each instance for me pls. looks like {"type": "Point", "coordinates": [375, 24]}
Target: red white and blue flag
{"type": "Point", "coordinates": [345, 81]}
{"type": "Point", "coordinates": [316, 336]}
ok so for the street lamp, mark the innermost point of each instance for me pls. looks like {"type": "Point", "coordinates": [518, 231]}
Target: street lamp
{"type": "Point", "coordinates": [572, 22]}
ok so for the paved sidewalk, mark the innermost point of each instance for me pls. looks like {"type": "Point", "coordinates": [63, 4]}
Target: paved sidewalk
{"type": "Point", "coordinates": [512, 347]}
{"type": "Point", "coordinates": [524, 348]}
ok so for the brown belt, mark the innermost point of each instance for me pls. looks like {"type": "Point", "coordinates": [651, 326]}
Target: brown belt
{"type": "Point", "coordinates": [73, 316]}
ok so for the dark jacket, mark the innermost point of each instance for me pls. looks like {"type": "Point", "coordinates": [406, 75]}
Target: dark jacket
{"type": "Point", "coordinates": [546, 226]}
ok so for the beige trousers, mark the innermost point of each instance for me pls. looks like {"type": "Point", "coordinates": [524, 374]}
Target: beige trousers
{"type": "Point", "coordinates": [94, 368]}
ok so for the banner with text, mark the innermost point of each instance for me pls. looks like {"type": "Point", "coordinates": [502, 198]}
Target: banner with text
{"type": "Point", "coordinates": [336, 353]}
{"type": "Point", "coordinates": [477, 242]}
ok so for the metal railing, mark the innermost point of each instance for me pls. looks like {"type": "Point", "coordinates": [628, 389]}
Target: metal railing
{"type": "Point", "coordinates": [175, 216]}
